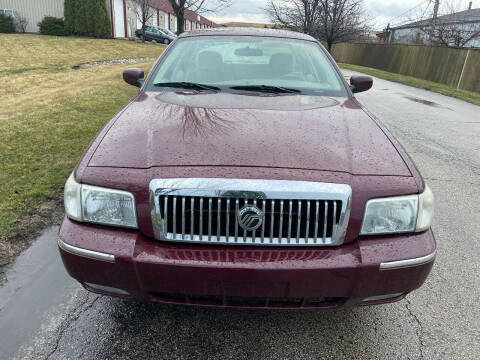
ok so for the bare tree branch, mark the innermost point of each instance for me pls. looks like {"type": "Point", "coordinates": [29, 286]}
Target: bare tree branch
{"type": "Point", "coordinates": [332, 21]}
{"type": "Point", "coordinates": [144, 13]}
{"type": "Point", "coordinates": [454, 29]}
{"type": "Point", "coordinates": [197, 6]}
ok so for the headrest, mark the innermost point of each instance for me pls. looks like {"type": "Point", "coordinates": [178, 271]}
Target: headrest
{"type": "Point", "coordinates": [282, 61]}
{"type": "Point", "coordinates": [209, 59]}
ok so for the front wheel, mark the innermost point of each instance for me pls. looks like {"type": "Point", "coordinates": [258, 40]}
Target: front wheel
{"type": "Point", "coordinates": [166, 41]}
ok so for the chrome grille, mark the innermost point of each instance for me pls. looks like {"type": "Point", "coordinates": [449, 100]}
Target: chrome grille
{"type": "Point", "coordinates": [207, 211]}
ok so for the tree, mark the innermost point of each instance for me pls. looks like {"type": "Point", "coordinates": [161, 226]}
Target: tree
{"type": "Point", "coordinates": [296, 15]}
{"type": "Point", "coordinates": [69, 15]}
{"type": "Point", "coordinates": [80, 19]}
{"type": "Point", "coordinates": [90, 11]}
{"type": "Point", "coordinates": [6, 24]}
{"type": "Point", "coordinates": [144, 13]}
{"type": "Point", "coordinates": [21, 23]}
{"type": "Point", "coordinates": [87, 17]}
{"type": "Point", "coordinates": [454, 34]}
{"type": "Point", "coordinates": [332, 21]}
{"type": "Point", "coordinates": [102, 24]}
{"type": "Point", "coordinates": [341, 21]}
{"type": "Point", "coordinates": [197, 6]}
{"type": "Point", "coordinates": [453, 29]}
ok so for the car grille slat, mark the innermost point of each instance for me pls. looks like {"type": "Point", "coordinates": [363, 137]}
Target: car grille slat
{"type": "Point", "coordinates": [272, 220]}
{"type": "Point", "coordinates": [290, 215]}
{"type": "Point", "coordinates": [307, 226]}
{"type": "Point", "coordinates": [183, 217]}
{"type": "Point", "coordinates": [299, 221]}
{"type": "Point", "coordinates": [276, 219]}
{"type": "Point", "coordinates": [200, 233]}
{"type": "Point", "coordinates": [227, 220]}
{"type": "Point", "coordinates": [317, 214]}
{"type": "Point", "coordinates": [264, 207]}
{"type": "Point", "coordinates": [237, 209]}
{"type": "Point", "coordinates": [325, 223]}
{"type": "Point", "coordinates": [174, 217]}
{"type": "Point", "coordinates": [192, 216]}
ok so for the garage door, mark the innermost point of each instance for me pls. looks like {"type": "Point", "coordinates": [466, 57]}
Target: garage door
{"type": "Point", "coordinates": [119, 21]}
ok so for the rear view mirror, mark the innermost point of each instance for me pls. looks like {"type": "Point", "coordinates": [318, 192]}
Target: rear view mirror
{"type": "Point", "coordinates": [134, 76]}
{"type": "Point", "coordinates": [248, 52]}
{"type": "Point", "coordinates": [360, 83]}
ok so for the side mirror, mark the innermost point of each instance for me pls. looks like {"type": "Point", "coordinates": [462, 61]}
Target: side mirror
{"type": "Point", "coordinates": [134, 76]}
{"type": "Point", "coordinates": [360, 83]}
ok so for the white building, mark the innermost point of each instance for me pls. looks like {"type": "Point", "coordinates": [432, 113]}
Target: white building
{"type": "Point", "coordinates": [122, 15]}
{"type": "Point", "coordinates": [464, 23]}
{"type": "Point", "coordinates": [34, 11]}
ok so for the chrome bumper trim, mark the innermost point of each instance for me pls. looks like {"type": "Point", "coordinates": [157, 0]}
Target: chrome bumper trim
{"type": "Point", "coordinates": [408, 262]}
{"type": "Point", "coordinates": [84, 252]}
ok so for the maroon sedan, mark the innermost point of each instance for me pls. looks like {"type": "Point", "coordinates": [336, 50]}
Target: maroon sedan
{"type": "Point", "coordinates": [246, 174]}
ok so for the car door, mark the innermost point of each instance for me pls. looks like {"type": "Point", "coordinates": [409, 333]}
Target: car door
{"type": "Point", "coordinates": [149, 35]}
{"type": "Point", "coordinates": [157, 35]}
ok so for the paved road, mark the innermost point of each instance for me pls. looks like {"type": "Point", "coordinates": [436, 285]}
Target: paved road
{"type": "Point", "coordinates": [44, 314]}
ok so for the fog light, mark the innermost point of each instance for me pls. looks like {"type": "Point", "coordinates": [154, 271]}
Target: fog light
{"type": "Point", "coordinates": [107, 289]}
{"type": "Point", "coordinates": [382, 297]}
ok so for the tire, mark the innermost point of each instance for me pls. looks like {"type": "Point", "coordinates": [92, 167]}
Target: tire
{"type": "Point", "coordinates": [166, 41]}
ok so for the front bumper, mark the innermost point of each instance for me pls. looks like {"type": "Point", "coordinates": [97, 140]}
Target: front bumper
{"type": "Point", "coordinates": [124, 263]}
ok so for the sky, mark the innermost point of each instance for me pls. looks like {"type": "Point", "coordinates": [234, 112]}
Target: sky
{"type": "Point", "coordinates": [380, 11]}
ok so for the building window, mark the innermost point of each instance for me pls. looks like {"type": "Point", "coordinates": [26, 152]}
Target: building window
{"type": "Point", "coordinates": [7, 12]}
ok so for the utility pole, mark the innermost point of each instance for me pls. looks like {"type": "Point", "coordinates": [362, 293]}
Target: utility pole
{"type": "Point", "coordinates": [435, 14]}
{"type": "Point", "coordinates": [434, 19]}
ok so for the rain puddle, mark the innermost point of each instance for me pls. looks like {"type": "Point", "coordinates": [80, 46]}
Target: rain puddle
{"type": "Point", "coordinates": [35, 283]}
{"type": "Point", "coordinates": [422, 101]}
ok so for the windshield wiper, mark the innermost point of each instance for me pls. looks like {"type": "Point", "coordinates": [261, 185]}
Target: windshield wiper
{"type": "Point", "coordinates": [267, 89]}
{"type": "Point", "coordinates": [187, 85]}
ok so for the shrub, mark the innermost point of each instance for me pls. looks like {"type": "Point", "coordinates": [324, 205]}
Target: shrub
{"type": "Point", "coordinates": [81, 20]}
{"type": "Point", "coordinates": [103, 26]}
{"type": "Point", "coordinates": [21, 24]}
{"type": "Point", "coordinates": [69, 15]}
{"type": "Point", "coordinates": [52, 26]}
{"type": "Point", "coordinates": [87, 18]}
{"type": "Point", "coordinates": [6, 24]}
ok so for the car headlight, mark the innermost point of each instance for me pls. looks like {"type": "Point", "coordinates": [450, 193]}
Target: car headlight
{"type": "Point", "coordinates": [98, 205]}
{"type": "Point", "coordinates": [402, 214]}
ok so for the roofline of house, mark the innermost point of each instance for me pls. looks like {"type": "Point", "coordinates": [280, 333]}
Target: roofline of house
{"type": "Point", "coordinates": [442, 20]}
{"type": "Point", "coordinates": [429, 22]}
{"type": "Point", "coordinates": [166, 7]}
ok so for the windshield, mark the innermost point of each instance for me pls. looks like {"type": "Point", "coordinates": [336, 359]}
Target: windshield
{"type": "Point", "coordinates": [167, 32]}
{"type": "Point", "coordinates": [248, 63]}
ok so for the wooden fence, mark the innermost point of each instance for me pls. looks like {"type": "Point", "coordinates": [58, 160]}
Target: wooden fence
{"type": "Point", "coordinates": [458, 68]}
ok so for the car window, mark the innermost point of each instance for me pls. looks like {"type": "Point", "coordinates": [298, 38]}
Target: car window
{"type": "Point", "coordinates": [232, 61]}
{"type": "Point", "coordinates": [6, 12]}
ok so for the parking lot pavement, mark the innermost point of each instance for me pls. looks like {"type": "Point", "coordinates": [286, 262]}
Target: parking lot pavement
{"type": "Point", "coordinates": [44, 314]}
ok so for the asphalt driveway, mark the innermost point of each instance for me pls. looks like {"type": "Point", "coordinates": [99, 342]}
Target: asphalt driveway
{"type": "Point", "coordinates": [44, 314]}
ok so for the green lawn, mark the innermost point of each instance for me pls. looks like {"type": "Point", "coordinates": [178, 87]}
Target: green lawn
{"type": "Point", "coordinates": [49, 113]}
{"type": "Point", "coordinates": [469, 96]}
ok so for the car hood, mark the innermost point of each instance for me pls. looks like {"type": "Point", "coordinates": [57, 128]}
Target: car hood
{"type": "Point", "coordinates": [243, 130]}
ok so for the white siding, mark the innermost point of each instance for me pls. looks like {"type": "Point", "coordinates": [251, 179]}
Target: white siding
{"type": "Point", "coordinates": [119, 19]}
{"type": "Point", "coordinates": [34, 10]}
{"type": "Point", "coordinates": [139, 16]}
{"type": "Point", "coordinates": [155, 18]}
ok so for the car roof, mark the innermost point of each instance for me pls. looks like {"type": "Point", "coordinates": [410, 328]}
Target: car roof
{"type": "Point", "coordinates": [240, 31]}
